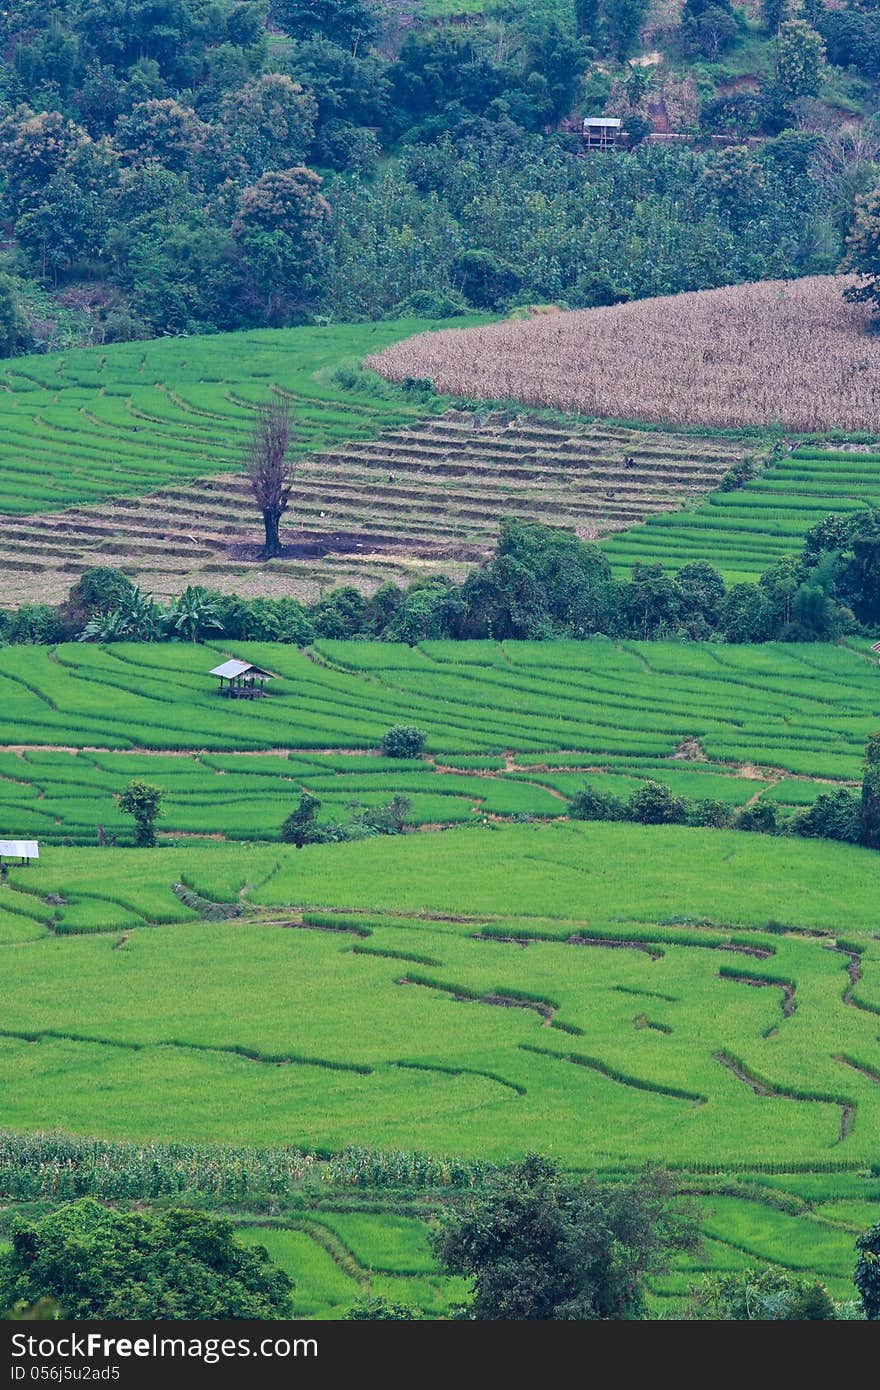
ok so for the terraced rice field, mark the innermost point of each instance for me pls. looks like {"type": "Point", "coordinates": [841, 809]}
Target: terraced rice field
{"type": "Point", "coordinates": [82, 426]}
{"type": "Point", "coordinates": [709, 999]}
{"type": "Point", "coordinates": [647, 1000]}
{"type": "Point", "coordinates": [805, 710]}
{"type": "Point", "coordinates": [744, 532]}
{"type": "Point", "coordinates": [64, 797]}
{"type": "Point", "coordinates": [334, 1258]}
{"type": "Point", "coordinates": [422, 496]}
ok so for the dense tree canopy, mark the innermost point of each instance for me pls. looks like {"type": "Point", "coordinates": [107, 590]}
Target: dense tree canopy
{"type": "Point", "coordinates": [539, 1245]}
{"type": "Point", "coordinates": [134, 133]}
{"type": "Point", "coordinates": [100, 1263]}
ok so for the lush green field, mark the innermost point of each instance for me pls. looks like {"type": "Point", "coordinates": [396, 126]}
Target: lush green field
{"type": "Point", "coordinates": [81, 426]}
{"type": "Point", "coordinates": [742, 533]}
{"type": "Point", "coordinates": [625, 707]}
{"type": "Point", "coordinates": [335, 1257]}
{"type": "Point", "coordinates": [373, 1016]}
{"type": "Point", "coordinates": [607, 994]}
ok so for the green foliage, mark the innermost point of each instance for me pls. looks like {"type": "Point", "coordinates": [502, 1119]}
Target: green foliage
{"type": "Point", "coordinates": [142, 801]}
{"type": "Point", "coordinates": [870, 804]}
{"type": "Point", "coordinates": [654, 804]}
{"type": "Point", "coordinates": [301, 826]}
{"type": "Point", "coordinates": [763, 1295]}
{"type": "Point", "coordinates": [103, 1264]}
{"type": "Point", "coordinates": [800, 56]}
{"type": "Point", "coordinates": [15, 335]}
{"type": "Point", "coordinates": [591, 803]}
{"type": "Point", "coordinates": [867, 1272]}
{"type": "Point", "coordinates": [403, 741]}
{"type": "Point", "coordinates": [833, 815]}
{"type": "Point", "coordinates": [538, 1245]}
{"type": "Point", "coordinates": [760, 817]}
{"type": "Point", "coordinates": [863, 250]}
{"type": "Point", "coordinates": [375, 1308]}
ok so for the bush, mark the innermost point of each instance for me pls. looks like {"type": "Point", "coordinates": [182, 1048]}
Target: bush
{"type": "Point", "coordinates": [761, 818]}
{"type": "Point", "coordinates": [833, 816]}
{"type": "Point", "coordinates": [389, 819]}
{"type": "Point", "coordinates": [765, 1295]}
{"type": "Point", "coordinates": [403, 741]}
{"type": "Point", "coordinates": [591, 804]}
{"type": "Point", "coordinates": [303, 828]}
{"type": "Point", "coordinates": [738, 475]}
{"type": "Point", "coordinates": [715, 814]}
{"type": "Point", "coordinates": [34, 623]}
{"type": "Point", "coordinates": [656, 804]}
{"type": "Point", "coordinates": [867, 1272]}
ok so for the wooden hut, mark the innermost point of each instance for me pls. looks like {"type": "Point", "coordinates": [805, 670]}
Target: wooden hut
{"type": "Point", "coordinates": [241, 680]}
{"type": "Point", "coordinates": [601, 132]}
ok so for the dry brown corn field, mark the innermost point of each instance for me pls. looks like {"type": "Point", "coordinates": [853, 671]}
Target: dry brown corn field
{"type": "Point", "coordinates": [792, 352]}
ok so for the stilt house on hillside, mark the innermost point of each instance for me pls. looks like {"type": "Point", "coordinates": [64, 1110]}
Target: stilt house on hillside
{"type": "Point", "coordinates": [601, 132]}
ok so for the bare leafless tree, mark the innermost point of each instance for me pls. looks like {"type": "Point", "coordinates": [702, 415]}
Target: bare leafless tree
{"type": "Point", "coordinates": [269, 469]}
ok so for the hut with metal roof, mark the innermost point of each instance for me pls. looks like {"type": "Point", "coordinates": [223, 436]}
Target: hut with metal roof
{"type": "Point", "coordinates": [22, 850]}
{"type": "Point", "coordinates": [241, 680]}
{"type": "Point", "coordinates": [601, 132]}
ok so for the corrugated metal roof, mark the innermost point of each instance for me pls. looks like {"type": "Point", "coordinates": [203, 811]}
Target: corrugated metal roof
{"type": "Point", "coordinates": [611, 122]}
{"type": "Point", "coordinates": [230, 669]}
{"type": "Point", "coordinates": [20, 849]}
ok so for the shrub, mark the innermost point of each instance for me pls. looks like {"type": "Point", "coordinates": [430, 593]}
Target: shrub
{"type": "Point", "coordinates": [303, 828]}
{"type": "Point", "coordinates": [761, 817]}
{"type": "Point", "coordinates": [656, 804]}
{"type": "Point", "coordinates": [389, 819]}
{"type": "Point", "coordinates": [592, 804]}
{"type": "Point", "coordinates": [403, 741]}
{"type": "Point", "coordinates": [833, 816]}
{"type": "Point", "coordinates": [101, 1263]}
{"type": "Point", "coordinates": [143, 801]}
{"type": "Point", "coordinates": [867, 1272]}
{"type": "Point", "coordinates": [738, 475]}
{"type": "Point", "coordinates": [754, 1295]}
{"type": "Point", "coordinates": [715, 814]}
{"type": "Point", "coordinates": [869, 832]}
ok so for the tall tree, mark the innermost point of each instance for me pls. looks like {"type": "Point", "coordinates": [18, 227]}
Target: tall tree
{"type": "Point", "coordinates": [800, 60]}
{"type": "Point", "coordinates": [352, 24]}
{"type": "Point", "coordinates": [269, 469]}
{"type": "Point", "coordinates": [539, 1245]}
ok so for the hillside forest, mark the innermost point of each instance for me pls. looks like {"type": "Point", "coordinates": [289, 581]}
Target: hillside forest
{"type": "Point", "coordinates": [193, 166]}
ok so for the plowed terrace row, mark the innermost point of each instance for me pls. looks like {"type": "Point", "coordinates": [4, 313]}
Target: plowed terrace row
{"type": "Point", "coordinates": [428, 496]}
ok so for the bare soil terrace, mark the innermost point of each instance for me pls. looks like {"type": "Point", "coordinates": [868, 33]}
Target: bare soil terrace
{"type": "Point", "coordinates": [425, 498]}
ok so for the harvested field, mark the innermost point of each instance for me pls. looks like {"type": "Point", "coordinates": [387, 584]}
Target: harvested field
{"type": "Point", "coordinates": [786, 352]}
{"type": "Point", "coordinates": [424, 496]}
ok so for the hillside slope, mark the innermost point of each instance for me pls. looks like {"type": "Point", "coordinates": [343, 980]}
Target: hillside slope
{"type": "Point", "coordinates": [778, 352]}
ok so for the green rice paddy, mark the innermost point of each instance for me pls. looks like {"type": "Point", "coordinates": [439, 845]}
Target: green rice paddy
{"type": "Point", "coordinates": [743, 532]}
{"type": "Point", "coordinates": [609, 994]}
{"type": "Point", "coordinates": [81, 426]}
{"type": "Point", "coordinates": [806, 710]}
